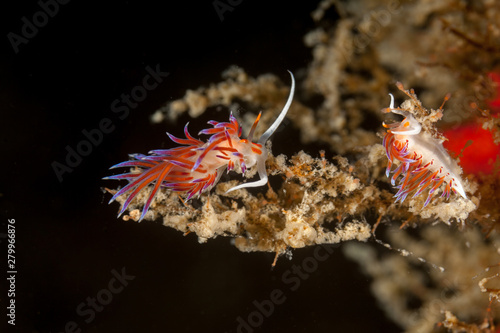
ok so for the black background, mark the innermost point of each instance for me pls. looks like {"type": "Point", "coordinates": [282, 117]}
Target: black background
{"type": "Point", "coordinates": [68, 240]}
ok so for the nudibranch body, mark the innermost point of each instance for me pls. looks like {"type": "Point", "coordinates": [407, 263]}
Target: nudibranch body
{"type": "Point", "coordinates": [196, 166]}
{"type": "Point", "coordinates": [423, 161]}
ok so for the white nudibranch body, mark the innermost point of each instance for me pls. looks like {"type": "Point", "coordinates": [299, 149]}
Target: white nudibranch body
{"type": "Point", "coordinates": [423, 161]}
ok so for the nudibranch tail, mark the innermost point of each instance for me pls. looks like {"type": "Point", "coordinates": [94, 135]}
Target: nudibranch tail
{"type": "Point", "coordinates": [423, 162]}
{"type": "Point", "coordinates": [196, 166]}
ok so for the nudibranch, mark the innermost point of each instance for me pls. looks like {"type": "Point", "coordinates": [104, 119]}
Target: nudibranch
{"type": "Point", "coordinates": [195, 167]}
{"type": "Point", "coordinates": [423, 161]}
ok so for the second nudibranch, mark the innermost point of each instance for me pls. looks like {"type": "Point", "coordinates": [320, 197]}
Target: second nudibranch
{"type": "Point", "coordinates": [423, 161]}
{"type": "Point", "coordinates": [196, 166]}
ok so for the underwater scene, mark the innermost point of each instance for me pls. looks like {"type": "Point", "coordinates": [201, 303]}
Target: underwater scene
{"type": "Point", "coordinates": [237, 166]}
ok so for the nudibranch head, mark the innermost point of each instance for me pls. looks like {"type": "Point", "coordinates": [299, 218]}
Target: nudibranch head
{"type": "Point", "coordinates": [260, 159]}
{"type": "Point", "coordinates": [409, 125]}
{"type": "Point", "coordinates": [424, 164]}
{"type": "Point", "coordinates": [196, 166]}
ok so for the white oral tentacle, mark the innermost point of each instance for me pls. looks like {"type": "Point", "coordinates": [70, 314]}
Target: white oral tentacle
{"type": "Point", "coordinates": [261, 162]}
